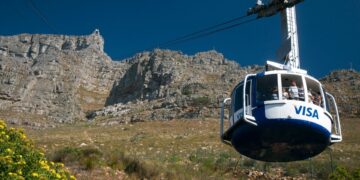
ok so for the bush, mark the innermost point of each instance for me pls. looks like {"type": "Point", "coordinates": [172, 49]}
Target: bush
{"type": "Point", "coordinates": [19, 159]}
{"type": "Point", "coordinates": [341, 173]}
{"type": "Point", "coordinates": [186, 91]}
{"type": "Point", "coordinates": [201, 101]}
{"type": "Point", "coordinates": [87, 157]}
{"type": "Point", "coordinates": [131, 165]}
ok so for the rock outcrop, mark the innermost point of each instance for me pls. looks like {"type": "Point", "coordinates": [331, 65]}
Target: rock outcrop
{"type": "Point", "coordinates": [54, 76]}
{"type": "Point", "coordinates": [166, 84]}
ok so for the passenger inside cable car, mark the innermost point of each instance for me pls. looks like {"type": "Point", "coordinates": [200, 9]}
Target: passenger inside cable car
{"type": "Point", "coordinates": [292, 87]}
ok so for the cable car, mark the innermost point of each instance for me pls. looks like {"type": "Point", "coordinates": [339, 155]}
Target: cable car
{"type": "Point", "coordinates": [282, 114]}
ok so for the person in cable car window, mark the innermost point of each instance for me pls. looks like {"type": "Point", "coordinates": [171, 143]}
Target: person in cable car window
{"type": "Point", "coordinates": [293, 91]}
{"type": "Point", "coordinates": [285, 94]}
{"type": "Point", "coordinates": [311, 97]}
{"type": "Point", "coordinates": [274, 95]}
{"type": "Point", "coordinates": [317, 99]}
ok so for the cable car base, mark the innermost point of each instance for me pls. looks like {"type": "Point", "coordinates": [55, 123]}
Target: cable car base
{"type": "Point", "coordinates": [278, 140]}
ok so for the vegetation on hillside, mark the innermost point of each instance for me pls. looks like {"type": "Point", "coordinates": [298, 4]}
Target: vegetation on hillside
{"type": "Point", "coordinates": [19, 159]}
{"type": "Point", "coordinates": [182, 149]}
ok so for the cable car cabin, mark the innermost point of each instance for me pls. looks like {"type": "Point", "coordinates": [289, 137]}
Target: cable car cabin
{"type": "Point", "coordinates": [281, 116]}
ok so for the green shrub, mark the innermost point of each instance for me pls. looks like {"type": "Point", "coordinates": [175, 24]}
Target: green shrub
{"type": "Point", "coordinates": [356, 174]}
{"type": "Point", "coordinates": [186, 91]}
{"type": "Point", "coordinates": [201, 101]}
{"type": "Point", "coordinates": [341, 173]}
{"type": "Point", "coordinates": [131, 165]}
{"type": "Point", "coordinates": [66, 155]}
{"type": "Point", "coordinates": [19, 159]}
{"type": "Point", "coordinates": [87, 157]}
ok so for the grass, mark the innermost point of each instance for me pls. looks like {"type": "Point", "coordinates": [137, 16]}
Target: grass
{"type": "Point", "coordinates": [178, 149]}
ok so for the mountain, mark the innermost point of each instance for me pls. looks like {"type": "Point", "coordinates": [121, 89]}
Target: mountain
{"type": "Point", "coordinates": [59, 78]}
{"type": "Point", "coordinates": [54, 77]}
{"type": "Point", "coordinates": [345, 86]}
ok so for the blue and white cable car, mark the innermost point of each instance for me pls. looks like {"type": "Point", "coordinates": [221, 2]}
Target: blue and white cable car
{"type": "Point", "coordinates": [282, 114]}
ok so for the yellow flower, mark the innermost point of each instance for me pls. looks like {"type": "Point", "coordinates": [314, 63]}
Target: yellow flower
{"type": "Point", "coordinates": [58, 176]}
{"type": "Point", "coordinates": [52, 163]}
{"type": "Point", "coordinates": [42, 162]}
{"type": "Point", "coordinates": [72, 178]}
{"type": "Point", "coordinates": [8, 159]}
{"type": "Point", "coordinates": [46, 167]}
{"type": "Point", "coordinates": [8, 150]}
{"type": "Point", "coordinates": [7, 136]}
{"type": "Point", "coordinates": [2, 126]}
{"type": "Point", "coordinates": [61, 164]}
{"type": "Point", "coordinates": [21, 162]}
{"type": "Point", "coordinates": [34, 174]}
{"type": "Point", "coordinates": [19, 172]}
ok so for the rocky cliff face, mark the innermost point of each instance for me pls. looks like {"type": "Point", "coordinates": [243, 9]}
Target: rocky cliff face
{"type": "Point", "coordinates": [54, 76]}
{"type": "Point", "coordinates": [63, 78]}
{"type": "Point", "coordinates": [57, 78]}
{"type": "Point", "coordinates": [167, 84]}
{"type": "Point", "coordinates": [345, 86]}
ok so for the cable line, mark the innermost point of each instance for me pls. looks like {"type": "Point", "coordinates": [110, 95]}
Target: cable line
{"type": "Point", "coordinates": [40, 14]}
{"type": "Point", "coordinates": [209, 32]}
{"type": "Point", "coordinates": [203, 30]}
{"type": "Point", "coordinates": [202, 33]}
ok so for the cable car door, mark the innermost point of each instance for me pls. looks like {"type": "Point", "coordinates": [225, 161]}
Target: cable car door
{"type": "Point", "coordinates": [248, 116]}
{"type": "Point", "coordinates": [248, 95]}
{"type": "Point", "coordinates": [331, 107]}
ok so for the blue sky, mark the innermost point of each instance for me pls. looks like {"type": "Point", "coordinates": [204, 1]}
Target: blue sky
{"type": "Point", "coordinates": [329, 31]}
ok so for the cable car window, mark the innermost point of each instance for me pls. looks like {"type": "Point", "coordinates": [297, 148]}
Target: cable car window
{"type": "Point", "coordinates": [248, 92]}
{"type": "Point", "coordinates": [327, 102]}
{"type": "Point", "coordinates": [238, 104]}
{"type": "Point", "coordinates": [266, 88]}
{"type": "Point", "coordinates": [314, 92]}
{"type": "Point", "coordinates": [292, 87]}
{"type": "Point", "coordinates": [330, 106]}
{"type": "Point", "coordinates": [248, 97]}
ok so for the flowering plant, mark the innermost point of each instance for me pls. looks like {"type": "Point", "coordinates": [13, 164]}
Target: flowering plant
{"type": "Point", "coordinates": [19, 159]}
